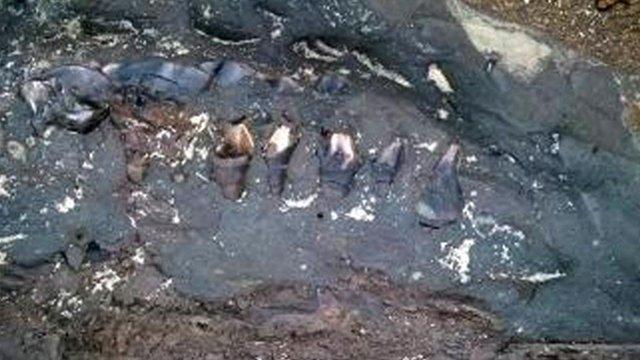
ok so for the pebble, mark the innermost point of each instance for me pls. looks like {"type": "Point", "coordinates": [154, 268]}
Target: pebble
{"type": "Point", "coordinates": [74, 256]}
{"type": "Point", "coordinates": [17, 151]}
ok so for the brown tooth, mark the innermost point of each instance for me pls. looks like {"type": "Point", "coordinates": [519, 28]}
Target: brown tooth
{"type": "Point", "coordinates": [230, 174]}
{"type": "Point", "coordinates": [277, 154]}
{"type": "Point", "coordinates": [237, 141]}
{"type": "Point", "coordinates": [231, 160]}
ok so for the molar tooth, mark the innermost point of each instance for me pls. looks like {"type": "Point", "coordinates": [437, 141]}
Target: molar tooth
{"type": "Point", "coordinates": [388, 162]}
{"type": "Point", "coordinates": [82, 119]}
{"type": "Point", "coordinates": [237, 141]}
{"type": "Point", "coordinates": [441, 202]}
{"type": "Point", "coordinates": [36, 94]}
{"type": "Point", "coordinates": [339, 162]}
{"type": "Point", "coordinates": [231, 72]}
{"type": "Point", "coordinates": [277, 153]}
{"type": "Point", "coordinates": [231, 160]}
{"type": "Point", "coordinates": [72, 96]}
{"type": "Point", "coordinates": [341, 144]}
{"type": "Point", "coordinates": [279, 141]}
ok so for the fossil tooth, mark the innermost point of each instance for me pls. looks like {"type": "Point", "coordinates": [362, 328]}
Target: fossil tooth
{"type": "Point", "coordinates": [388, 162]}
{"type": "Point", "coordinates": [161, 78]}
{"type": "Point", "coordinates": [82, 118]}
{"type": "Point", "coordinates": [342, 146]}
{"type": "Point", "coordinates": [74, 97]}
{"type": "Point", "coordinates": [332, 84]}
{"type": "Point", "coordinates": [85, 84]}
{"type": "Point", "coordinates": [231, 160]}
{"type": "Point", "coordinates": [277, 153]}
{"type": "Point", "coordinates": [231, 72]}
{"type": "Point", "coordinates": [441, 202]}
{"type": "Point", "coordinates": [36, 94]}
{"type": "Point", "coordinates": [339, 162]}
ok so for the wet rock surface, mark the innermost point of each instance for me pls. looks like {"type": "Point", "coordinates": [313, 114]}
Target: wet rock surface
{"type": "Point", "coordinates": [156, 209]}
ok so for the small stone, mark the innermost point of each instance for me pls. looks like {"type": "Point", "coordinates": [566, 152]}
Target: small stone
{"type": "Point", "coordinates": [178, 178]}
{"type": "Point", "coordinates": [74, 256]}
{"type": "Point", "coordinates": [17, 151]}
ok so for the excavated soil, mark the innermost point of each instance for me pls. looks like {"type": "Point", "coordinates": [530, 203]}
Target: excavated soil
{"type": "Point", "coordinates": [608, 30]}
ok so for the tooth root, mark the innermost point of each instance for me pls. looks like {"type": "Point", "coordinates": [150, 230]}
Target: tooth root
{"type": "Point", "coordinates": [339, 163]}
{"type": "Point", "coordinates": [230, 174]}
{"type": "Point", "coordinates": [277, 154]}
{"type": "Point", "coordinates": [388, 162]}
{"type": "Point", "coordinates": [240, 138]}
{"type": "Point", "coordinates": [441, 202]}
{"type": "Point", "coordinates": [231, 160]}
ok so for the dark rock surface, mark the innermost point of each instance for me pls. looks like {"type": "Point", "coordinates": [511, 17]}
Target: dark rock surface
{"type": "Point", "coordinates": [547, 239]}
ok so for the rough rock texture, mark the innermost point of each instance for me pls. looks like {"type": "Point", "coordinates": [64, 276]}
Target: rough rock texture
{"type": "Point", "coordinates": [119, 242]}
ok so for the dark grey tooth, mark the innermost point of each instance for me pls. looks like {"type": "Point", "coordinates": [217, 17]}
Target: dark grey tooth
{"type": "Point", "coordinates": [231, 72]}
{"type": "Point", "coordinates": [441, 202]}
{"type": "Point", "coordinates": [339, 162]}
{"type": "Point", "coordinates": [160, 78]}
{"type": "Point", "coordinates": [87, 85]}
{"type": "Point", "coordinates": [386, 166]}
{"type": "Point", "coordinates": [231, 160]}
{"type": "Point", "coordinates": [211, 66]}
{"type": "Point", "coordinates": [38, 95]}
{"type": "Point", "coordinates": [81, 118]}
{"type": "Point", "coordinates": [285, 85]}
{"type": "Point", "coordinates": [332, 84]}
{"type": "Point", "coordinates": [74, 97]}
{"type": "Point", "coordinates": [277, 153]}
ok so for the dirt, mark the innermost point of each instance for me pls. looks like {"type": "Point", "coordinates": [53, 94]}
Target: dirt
{"type": "Point", "coordinates": [361, 316]}
{"type": "Point", "coordinates": [608, 30]}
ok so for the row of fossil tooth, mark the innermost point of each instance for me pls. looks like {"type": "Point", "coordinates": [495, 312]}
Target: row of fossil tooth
{"type": "Point", "coordinates": [440, 203]}
{"type": "Point", "coordinates": [79, 98]}
{"type": "Point", "coordinates": [339, 160]}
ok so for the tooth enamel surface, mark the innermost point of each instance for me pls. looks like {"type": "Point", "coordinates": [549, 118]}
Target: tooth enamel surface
{"type": "Point", "coordinates": [239, 139]}
{"type": "Point", "coordinates": [439, 79]}
{"type": "Point", "coordinates": [280, 140]}
{"type": "Point", "coordinates": [342, 143]}
{"type": "Point", "coordinates": [389, 154]}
